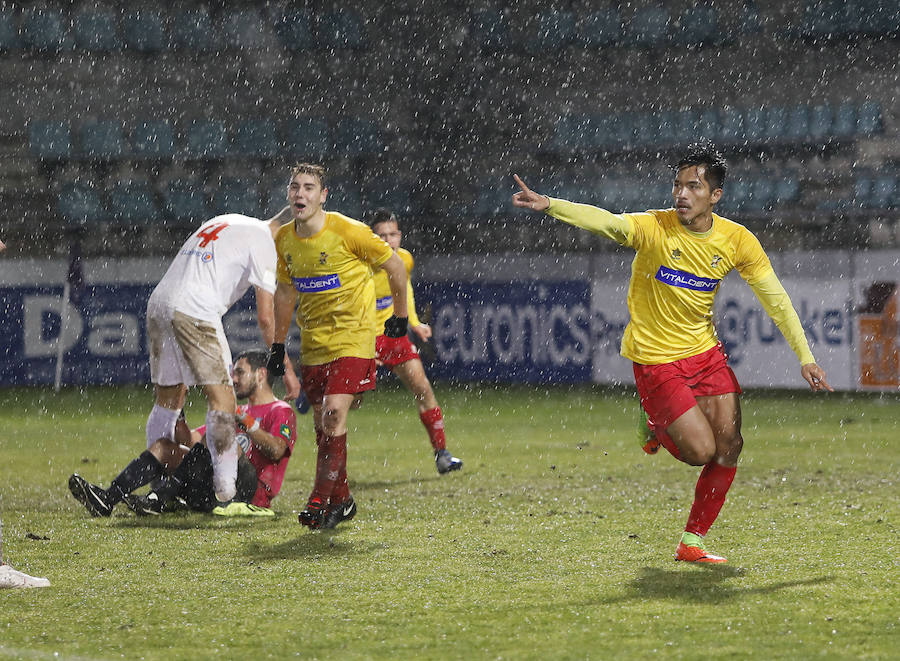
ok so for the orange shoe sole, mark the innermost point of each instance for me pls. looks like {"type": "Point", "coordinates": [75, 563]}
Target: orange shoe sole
{"type": "Point", "coordinates": [695, 554]}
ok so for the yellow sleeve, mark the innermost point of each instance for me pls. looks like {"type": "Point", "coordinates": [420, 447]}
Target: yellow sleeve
{"type": "Point", "coordinates": [778, 306]}
{"type": "Point", "coordinates": [366, 245]}
{"type": "Point", "coordinates": [593, 219]}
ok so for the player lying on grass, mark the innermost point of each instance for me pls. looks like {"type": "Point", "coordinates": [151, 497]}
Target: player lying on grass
{"type": "Point", "coordinates": [400, 355]}
{"type": "Point", "coordinates": [686, 387]}
{"type": "Point", "coordinates": [266, 429]}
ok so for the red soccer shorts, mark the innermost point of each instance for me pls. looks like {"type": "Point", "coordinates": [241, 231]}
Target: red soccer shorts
{"type": "Point", "coordinates": [668, 391]}
{"type": "Point", "coordinates": [343, 376]}
{"type": "Point", "coordinates": [393, 351]}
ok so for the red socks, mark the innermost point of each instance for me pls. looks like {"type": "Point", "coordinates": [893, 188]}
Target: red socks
{"type": "Point", "coordinates": [709, 496]}
{"type": "Point", "coordinates": [433, 420]}
{"type": "Point", "coordinates": [331, 469]}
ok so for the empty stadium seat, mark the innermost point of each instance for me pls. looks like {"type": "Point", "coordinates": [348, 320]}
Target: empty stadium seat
{"type": "Point", "coordinates": [787, 189]}
{"type": "Point", "coordinates": [344, 29]}
{"type": "Point", "coordinates": [358, 137]}
{"type": "Point", "coordinates": [50, 140]}
{"type": "Point", "coordinates": [236, 195]}
{"type": "Point", "coordinates": [295, 29]}
{"type": "Point", "coordinates": [869, 119]}
{"type": "Point", "coordinates": [206, 139]}
{"type": "Point", "coordinates": [732, 125]}
{"type": "Point", "coordinates": [243, 29]}
{"type": "Point", "coordinates": [9, 30]}
{"type": "Point", "coordinates": [551, 30]}
{"type": "Point", "coordinates": [133, 203]}
{"type": "Point", "coordinates": [844, 124]}
{"type": "Point", "coordinates": [45, 29]}
{"type": "Point", "coordinates": [490, 30]}
{"type": "Point", "coordinates": [648, 28]}
{"type": "Point", "coordinates": [754, 124]}
{"type": "Point", "coordinates": [599, 28]}
{"type": "Point", "coordinates": [81, 203]}
{"type": "Point", "coordinates": [256, 138]}
{"type": "Point", "coordinates": [821, 121]}
{"type": "Point", "coordinates": [184, 200]}
{"type": "Point", "coordinates": [344, 197]}
{"type": "Point", "coordinates": [144, 30]}
{"type": "Point", "coordinates": [776, 123]}
{"type": "Point", "coordinates": [96, 30]}
{"type": "Point", "coordinates": [797, 128]}
{"type": "Point", "coordinates": [306, 139]}
{"type": "Point", "coordinates": [882, 192]}
{"type": "Point", "coordinates": [102, 140]}
{"type": "Point", "coordinates": [697, 26]}
{"type": "Point", "coordinates": [193, 29]}
{"type": "Point", "coordinates": [646, 129]}
{"type": "Point", "coordinates": [153, 139]}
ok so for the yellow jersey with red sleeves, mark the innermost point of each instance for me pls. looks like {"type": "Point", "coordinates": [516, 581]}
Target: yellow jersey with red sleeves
{"type": "Point", "coordinates": [675, 276]}
{"type": "Point", "coordinates": [384, 300]}
{"type": "Point", "coordinates": [332, 273]}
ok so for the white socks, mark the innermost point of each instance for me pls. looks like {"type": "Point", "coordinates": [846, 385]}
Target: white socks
{"type": "Point", "coordinates": [223, 447]}
{"type": "Point", "coordinates": [161, 424]}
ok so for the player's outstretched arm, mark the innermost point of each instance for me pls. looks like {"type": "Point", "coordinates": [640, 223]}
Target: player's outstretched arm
{"type": "Point", "coordinates": [528, 199]}
{"type": "Point", "coordinates": [815, 377]}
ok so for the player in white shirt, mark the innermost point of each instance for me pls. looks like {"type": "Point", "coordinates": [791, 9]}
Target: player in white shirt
{"type": "Point", "coordinates": [187, 344]}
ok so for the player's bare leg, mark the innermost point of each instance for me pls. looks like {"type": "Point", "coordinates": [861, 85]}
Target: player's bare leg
{"type": "Point", "coordinates": [220, 439]}
{"type": "Point", "coordinates": [708, 435]}
{"type": "Point", "coordinates": [412, 374]}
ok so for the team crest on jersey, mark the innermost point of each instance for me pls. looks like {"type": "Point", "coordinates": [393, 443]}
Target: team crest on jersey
{"type": "Point", "coordinates": [285, 432]}
{"type": "Point", "coordinates": [323, 257]}
{"type": "Point", "coordinates": [715, 261]}
{"type": "Point", "coordinates": [676, 254]}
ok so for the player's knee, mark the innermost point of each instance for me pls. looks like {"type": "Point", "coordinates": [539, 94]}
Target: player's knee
{"type": "Point", "coordinates": [332, 421]}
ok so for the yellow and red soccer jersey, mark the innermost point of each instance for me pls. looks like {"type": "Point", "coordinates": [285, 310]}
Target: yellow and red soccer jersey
{"type": "Point", "coordinates": [675, 276]}
{"type": "Point", "coordinates": [384, 301]}
{"type": "Point", "coordinates": [332, 272]}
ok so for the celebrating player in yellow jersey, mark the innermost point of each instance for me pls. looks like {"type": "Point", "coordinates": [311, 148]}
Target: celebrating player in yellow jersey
{"type": "Point", "coordinates": [399, 354]}
{"type": "Point", "coordinates": [325, 263]}
{"type": "Point", "coordinates": [685, 384]}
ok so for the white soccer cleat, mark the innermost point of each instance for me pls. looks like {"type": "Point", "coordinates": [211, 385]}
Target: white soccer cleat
{"type": "Point", "coordinates": [12, 578]}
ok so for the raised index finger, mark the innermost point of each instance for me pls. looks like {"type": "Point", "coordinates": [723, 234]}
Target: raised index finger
{"type": "Point", "coordinates": [521, 184]}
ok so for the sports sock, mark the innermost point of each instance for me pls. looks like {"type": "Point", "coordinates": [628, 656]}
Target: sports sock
{"type": "Point", "coordinates": [331, 470]}
{"type": "Point", "coordinates": [142, 470]}
{"type": "Point", "coordinates": [161, 424]}
{"type": "Point", "coordinates": [709, 496]}
{"type": "Point", "coordinates": [433, 420]}
{"type": "Point", "coordinates": [223, 448]}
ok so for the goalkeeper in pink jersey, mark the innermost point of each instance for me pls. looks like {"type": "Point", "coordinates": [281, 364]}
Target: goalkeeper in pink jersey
{"type": "Point", "coordinates": [689, 392]}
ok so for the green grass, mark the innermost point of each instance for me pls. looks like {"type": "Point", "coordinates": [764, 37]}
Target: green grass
{"type": "Point", "coordinates": [555, 541]}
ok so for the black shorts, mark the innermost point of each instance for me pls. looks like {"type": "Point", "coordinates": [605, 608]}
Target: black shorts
{"type": "Point", "coordinates": [196, 471]}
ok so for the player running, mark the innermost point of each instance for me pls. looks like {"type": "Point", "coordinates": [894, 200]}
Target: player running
{"type": "Point", "coordinates": [325, 264]}
{"type": "Point", "coordinates": [399, 354]}
{"type": "Point", "coordinates": [684, 382]}
{"type": "Point", "coordinates": [266, 429]}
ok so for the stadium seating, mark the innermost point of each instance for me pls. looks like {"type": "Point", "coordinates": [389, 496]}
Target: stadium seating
{"type": "Point", "coordinates": [295, 30]}
{"type": "Point", "coordinates": [236, 195]}
{"type": "Point", "coordinates": [698, 26]}
{"type": "Point", "coordinates": [490, 30]}
{"type": "Point", "coordinates": [96, 30]}
{"type": "Point", "coordinates": [80, 203]}
{"type": "Point", "coordinates": [243, 29]}
{"type": "Point", "coordinates": [193, 29]}
{"type": "Point", "coordinates": [869, 121]}
{"type": "Point", "coordinates": [206, 139]}
{"type": "Point", "coordinates": [153, 139]}
{"type": "Point", "coordinates": [45, 29]}
{"type": "Point", "coordinates": [184, 200]}
{"type": "Point", "coordinates": [356, 137]}
{"type": "Point", "coordinates": [648, 28]}
{"type": "Point", "coordinates": [306, 139]}
{"type": "Point", "coordinates": [343, 29]}
{"type": "Point", "coordinates": [50, 140]}
{"type": "Point", "coordinates": [102, 140]}
{"type": "Point", "coordinates": [133, 203]}
{"type": "Point", "coordinates": [9, 30]}
{"type": "Point", "coordinates": [144, 31]}
{"type": "Point", "coordinates": [256, 138]}
{"type": "Point", "coordinates": [550, 31]}
{"type": "Point", "coordinates": [599, 28]}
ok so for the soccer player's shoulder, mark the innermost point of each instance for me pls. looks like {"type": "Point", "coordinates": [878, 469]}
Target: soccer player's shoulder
{"type": "Point", "coordinates": [338, 221]}
{"type": "Point", "coordinates": [407, 258]}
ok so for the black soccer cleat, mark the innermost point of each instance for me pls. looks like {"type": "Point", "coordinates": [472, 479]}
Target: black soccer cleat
{"type": "Point", "coordinates": [338, 513]}
{"type": "Point", "coordinates": [314, 514]}
{"type": "Point", "coordinates": [446, 462]}
{"type": "Point", "coordinates": [149, 505]}
{"type": "Point", "coordinates": [90, 495]}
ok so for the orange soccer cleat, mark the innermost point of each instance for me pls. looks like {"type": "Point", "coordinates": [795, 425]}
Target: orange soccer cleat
{"type": "Point", "coordinates": [687, 553]}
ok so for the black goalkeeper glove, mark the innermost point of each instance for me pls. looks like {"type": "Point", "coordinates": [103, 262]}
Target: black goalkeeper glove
{"type": "Point", "coordinates": [396, 326]}
{"type": "Point", "coordinates": [275, 361]}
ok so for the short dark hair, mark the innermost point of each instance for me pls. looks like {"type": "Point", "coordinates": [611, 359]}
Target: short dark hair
{"type": "Point", "coordinates": [704, 152]}
{"type": "Point", "coordinates": [317, 171]}
{"type": "Point", "coordinates": [257, 358]}
{"type": "Point", "coordinates": [383, 215]}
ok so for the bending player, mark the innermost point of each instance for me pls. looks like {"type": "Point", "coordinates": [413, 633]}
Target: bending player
{"type": "Point", "coordinates": [685, 384]}
{"type": "Point", "coordinates": [266, 429]}
{"type": "Point", "coordinates": [399, 354]}
{"type": "Point", "coordinates": [325, 264]}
